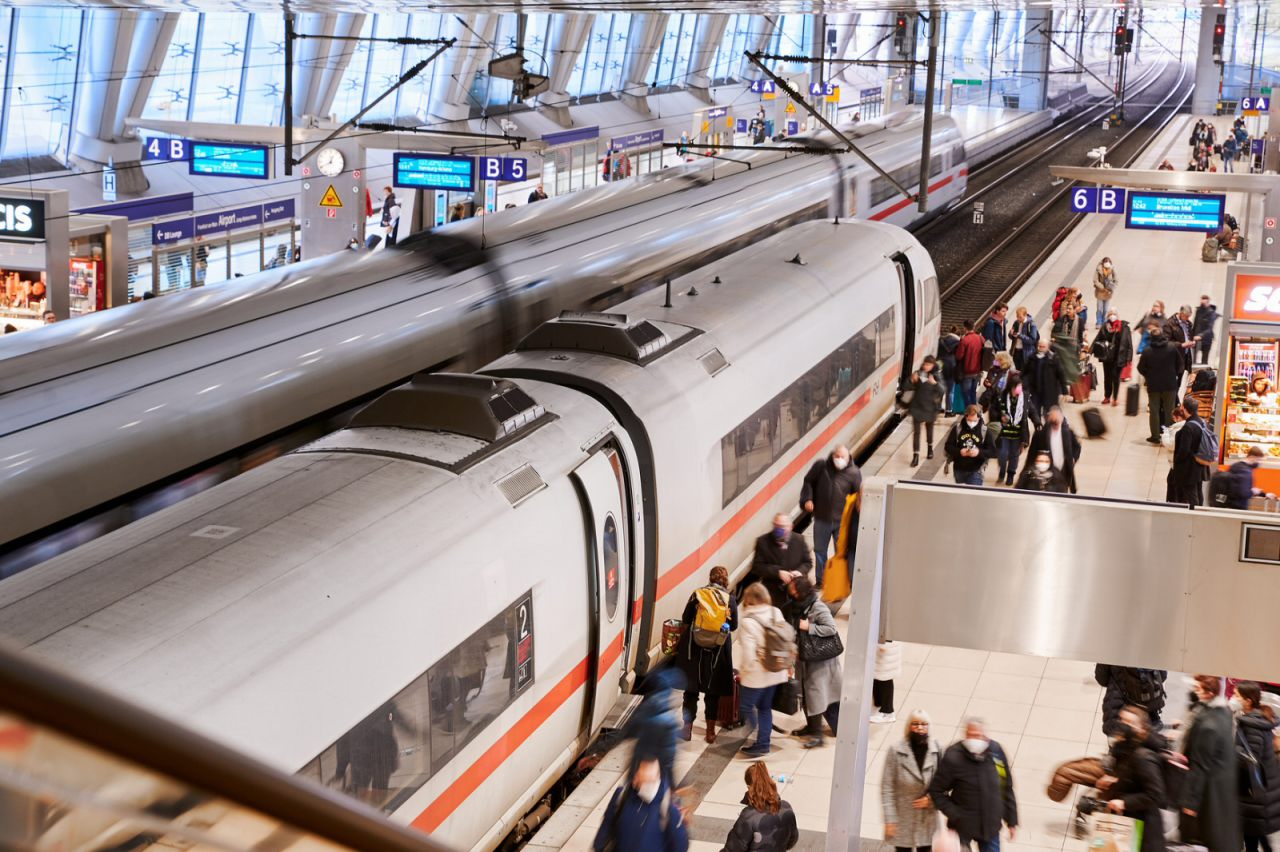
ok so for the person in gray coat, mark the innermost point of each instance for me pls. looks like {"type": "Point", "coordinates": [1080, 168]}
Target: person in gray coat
{"type": "Point", "coordinates": [910, 818]}
{"type": "Point", "coordinates": [1210, 793]}
{"type": "Point", "coordinates": [926, 402]}
{"type": "Point", "coordinates": [820, 681]}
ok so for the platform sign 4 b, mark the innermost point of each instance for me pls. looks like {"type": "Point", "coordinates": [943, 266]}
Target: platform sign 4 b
{"type": "Point", "coordinates": [1097, 199]}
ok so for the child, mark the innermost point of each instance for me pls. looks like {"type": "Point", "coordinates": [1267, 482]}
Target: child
{"type": "Point", "coordinates": [888, 666]}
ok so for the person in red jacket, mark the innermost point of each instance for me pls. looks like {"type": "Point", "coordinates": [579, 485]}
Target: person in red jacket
{"type": "Point", "coordinates": [969, 363]}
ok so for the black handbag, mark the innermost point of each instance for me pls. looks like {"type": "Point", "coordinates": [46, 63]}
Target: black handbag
{"type": "Point", "coordinates": [1252, 784]}
{"type": "Point", "coordinates": [815, 649]}
{"type": "Point", "coordinates": [786, 699]}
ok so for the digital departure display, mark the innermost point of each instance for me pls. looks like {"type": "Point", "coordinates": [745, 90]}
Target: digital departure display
{"type": "Point", "coordinates": [222, 159]}
{"type": "Point", "coordinates": [434, 171]}
{"type": "Point", "coordinates": [1174, 211]}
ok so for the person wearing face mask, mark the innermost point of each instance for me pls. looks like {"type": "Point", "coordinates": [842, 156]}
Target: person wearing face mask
{"type": "Point", "coordinates": [1113, 346]}
{"type": "Point", "coordinates": [643, 816]}
{"type": "Point", "coordinates": [910, 817]}
{"type": "Point", "coordinates": [1232, 488]}
{"type": "Point", "coordinates": [820, 679]}
{"type": "Point", "coordinates": [1161, 368]}
{"type": "Point", "coordinates": [1104, 286]}
{"type": "Point", "coordinates": [826, 487]}
{"type": "Point", "coordinates": [1135, 786]}
{"type": "Point", "coordinates": [973, 788]}
{"type": "Point", "coordinates": [1042, 476]}
{"type": "Point", "coordinates": [655, 724]}
{"type": "Point", "coordinates": [926, 401]}
{"type": "Point", "coordinates": [1155, 315]}
{"type": "Point", "coordinates": [1210, 807]}
{"type": "Point", "coordinates": [1062, 445]}
{"type": "Point", "coordinates": [1009, 416]}
{"type": "Point", "coordinates": [969, 444]}
{"type": "Point", "coordinates": [781, 556]}
{"type": "Point", "coordinates": [1042, 381]}
{"type": "Point", "coordinates": [1255, 731]}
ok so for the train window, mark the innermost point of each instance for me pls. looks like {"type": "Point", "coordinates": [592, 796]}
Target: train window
{"type": "Point", "coordinates": [396, 749]}
{"type": "Point", "coordinates": [935, 165]}
{"type": "Point", "coordinates": [929, 298]}
{"type": "Point", "coordinates": [611, 578]}
{"type": "Point", "coordinates": [760, 440]}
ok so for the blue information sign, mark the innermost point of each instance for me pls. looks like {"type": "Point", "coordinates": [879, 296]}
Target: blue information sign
{"type": "Point", "coordinates": [164, 148]}
{"type": "Point", "coordinates": [1174, 211]}
{"type": "Point", "coordinates": [764, 87]}
{"type": "Point", "coordinates": [1255, 104]}
{"type": "Point", "coordinates": [224, 159]}
{"type": "Point", "coordinates": [1093, 199]}
{"type": "Point", "coordinates": [434, 171]}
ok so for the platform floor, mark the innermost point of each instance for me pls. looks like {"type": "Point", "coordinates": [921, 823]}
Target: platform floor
{"type": "Point", "coordinates": [1043, 711]}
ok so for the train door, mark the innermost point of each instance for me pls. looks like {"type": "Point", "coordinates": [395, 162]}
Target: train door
{"type": "Point", "coordinates": [602, 489]}
{"type": "Point", "coordinates": [909, 310]}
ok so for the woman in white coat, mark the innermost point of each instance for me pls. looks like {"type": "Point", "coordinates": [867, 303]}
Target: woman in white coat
{"type": "Point", "coordinates": [910, 818]}
{"type": "Point", "coordinates": [758, 683]}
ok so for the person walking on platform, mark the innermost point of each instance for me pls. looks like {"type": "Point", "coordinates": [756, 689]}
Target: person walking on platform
{"type": "Point", "coordinates": [1135, 785]}
{"type": "Point", "coordinates": [1178, 329]}
{"type": "Point", "coordinates": [767, 823]}
{"type": "Point", "coordinates": [1009, 416]}
{"type": "Point", "coordinates": [1187, 480]}
{"type": "Point", "coordinates": [1042, 381]}
{"type": "Point", "coordinates": [1023, 337]}
{"type": "Point", "coordinates": [926, 401]}
{"type": "Point", "coordinates": [1124, 686]}
{"type": "Point", "coordinates": [973, 788]}
{"type": "Point", "coordinates": [644, 815]}
{"type": "Point", "coordinates": [969, 444]}
{"type": "Point", "coordinates": [825, 490]}
{"type": "Point", "coordinates": [1113, 346]}
{"type": "Point", "coordinates": [1062, 445]}
{"type": "Point", "coordinates": [1161, 368]}
{"type": "Point", "coordinates": [1155, 315]}
{"type": "Point", "coordinates": [1104, 287]}
{"type": "Point", "coordinates": [996, 328]}
{"type": "Point", "coordinates": [910, 817]}
{"type": "Point", "coordinates": [1202, 327]}
{"type": "Point", "coordinates": [1233, 488]}
{"type": "Point", "coordinates": [1210, 793]}
{"type": "Point", "coordinates": [1256, 730]}
{"type": "Point", "coordinates": [1068, 341]}
{"type": "Point", "coordinates": [969, 363]}
{"type": "Point", "coordinates": [1039, 474]}
{"type": "Point", "coordinates": [949, 376]}
{"type": "Point", "coordinates": [705, 654]}
{"type": "Point", "coordinates": [759, 620]}
{"type": "Point", "coordinates": [819, 668]}
{"type": "Point", "coordinates": [781, 555]}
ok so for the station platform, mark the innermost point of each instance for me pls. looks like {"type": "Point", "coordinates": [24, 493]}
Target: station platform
{"type": "Point", "coordinates": [1043, 711]}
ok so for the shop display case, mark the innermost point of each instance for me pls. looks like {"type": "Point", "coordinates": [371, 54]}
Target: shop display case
{"type": "Point", "coordinates": [1249, 371]}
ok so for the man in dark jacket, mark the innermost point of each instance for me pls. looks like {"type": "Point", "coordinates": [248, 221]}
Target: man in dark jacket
{"type": "Point", "coordinates": [996, 328]}
{"type": "Point", "coordinates": [1042, 381]}
{"type": "Point", "coordinates": [969, 363]}
{"type": "Point", "coordinates": [826, 487]}
{"type": "Point", "coordinates": [973, 788]}
{"type": "Point", "coordinates": [969, 444]}
{"type": "Point", "coordinates": [1161, 367]}
{"type": "Point", "coordinates": [1178, 329]}
{"type": "Point", "coordinates": [1210, 794]}
{"type": "Point", "coordinates": [781, 556]}
{"type": "Point", "coordinates": [643, 816]}
{"type": "Point", "coordinates": [1130, 686]}
{"type": "Point", "coordinates": [1202, 326]}
{"type": "Point", "coordinates": [1186, 482]}
{"type": "Point", "coordinates": [1062, 445]}
{"type": "Point", "coordinates": [1136, 787]}
{"type": "Point", "coordinates": [1238, 480]}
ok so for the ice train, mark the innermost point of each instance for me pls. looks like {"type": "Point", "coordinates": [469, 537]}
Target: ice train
{"type": "Point", "coordinates": [97, 414]}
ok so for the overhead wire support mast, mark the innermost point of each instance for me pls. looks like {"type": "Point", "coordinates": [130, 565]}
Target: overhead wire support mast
{"type": "Point", "coordinates": [755, 59]}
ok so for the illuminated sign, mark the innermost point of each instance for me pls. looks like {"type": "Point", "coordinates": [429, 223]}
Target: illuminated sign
{"type": "Point", "coordinates": [21, 219]}
{"type": "Point", "coordinates": [221, 159]}
{"type": "Point", "coordinates": [1257, 298]}
{"type": "Point", "coordinates": [434, 171]}
{"type": "Point", "coordinates": [1093, 199]}
{"type": "Point", "coordinates": [1174, 211]}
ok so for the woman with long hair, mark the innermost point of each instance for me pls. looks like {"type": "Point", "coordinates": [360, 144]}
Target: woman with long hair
{"type": "Point", "coordinates": [707, 663]}
{"type": "Point", "coordinates": [767, 823]}
{"type": "Point", "coordinates": [1256, 731]}
{"type": "Point", "coordinates": [910, 818]}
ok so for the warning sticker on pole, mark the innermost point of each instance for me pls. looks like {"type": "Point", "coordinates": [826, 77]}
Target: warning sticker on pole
{"type": "Point", "coordinates": [331, 198]}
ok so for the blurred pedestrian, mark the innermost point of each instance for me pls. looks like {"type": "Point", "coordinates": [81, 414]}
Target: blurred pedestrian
{"type": "Point", "coordinates": [1058, 440]}
{"type": "Point", "coordinates": [538, 194]}
{"type": "Point", "coordinates": [1043, 381]}
{"type": "Point", "coordinates": [781, 555]}
{"type": "Point", "coordinates": [823, 494]}
{"type": "Point", "coordinates": [767, 822]}
{"type": "Point", "coordinates": [1155, 315]}
{"type": "Point", "coordinates": [1039, 474]}
{"type": "Point", "coordinates": [926, 401]}
{"type": "Point", "coordinates": [973, 788]}
{"type": "Point", "coordinates": [1009, 417]}
{"type": "Point", "coordinates": [644, 815]}
{"type": "Point", "coordinates": [1256, 728]}
{"type": "Point", "coordinates": [1210, 793]}
{"type": "Point", "coordinates": [888, 667]}
{"type": "Point", "coordinates": [910, 817]}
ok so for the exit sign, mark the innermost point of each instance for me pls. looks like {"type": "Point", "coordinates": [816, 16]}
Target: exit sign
{"type": "Point", "coordinates": [1266, 90]}
{"type": "Point", "coordinates": [966, 82]}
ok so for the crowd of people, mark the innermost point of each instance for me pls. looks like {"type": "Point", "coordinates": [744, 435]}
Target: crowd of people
{"type": "Point", "coordinates": [1206, 146]}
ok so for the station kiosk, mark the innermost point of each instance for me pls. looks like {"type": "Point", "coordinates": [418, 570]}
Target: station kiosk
{"type": "Point", "coordinates": [1249, 370]}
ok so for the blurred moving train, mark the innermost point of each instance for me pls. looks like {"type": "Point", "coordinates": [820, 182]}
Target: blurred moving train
{"type": "Point", "coordinates": [105, 419]}
{"type": "Point", "coordinates": [436, 607]}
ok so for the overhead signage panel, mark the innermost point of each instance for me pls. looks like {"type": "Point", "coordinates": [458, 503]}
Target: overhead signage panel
{"type": "Point", "coordinates": [1256, 298]}
{"type": "Point", "coordinates": [1174, 211]}
{"type": "Point", "coordinates": [434, 171]}
{"type": "Point", "coordinates": [503, 168]}
{"type": "Point", "coordinates": [222, 159]}
{"type": "Point", "coordinates": [1095, 199]}
{"type": "Point", "coordinates": [22, 219]}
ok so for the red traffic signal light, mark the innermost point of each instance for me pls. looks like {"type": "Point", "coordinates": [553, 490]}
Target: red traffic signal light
{"type": "Point", "coordinates": [901, 22]}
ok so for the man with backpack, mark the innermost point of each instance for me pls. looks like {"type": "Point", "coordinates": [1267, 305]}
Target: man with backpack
{"type": "Point", "coordinates": [766, 655]}
{"type": "Point", "coordinates": [705, 654]}
{"type": "Point", "coordinates": [644, 815]}
{"type": "Point", "coordinates": [1126, 685]}
{"type": "Point", "coordinates": [1195, 454]}
{"type": "Point", "coordinates": [1232, 488]}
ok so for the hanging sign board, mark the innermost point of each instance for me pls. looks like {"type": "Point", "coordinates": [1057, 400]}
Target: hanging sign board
{"type": "Point", "coordinates": [22, 219]}
{"type": "Point", "coordinates": [434, 171]}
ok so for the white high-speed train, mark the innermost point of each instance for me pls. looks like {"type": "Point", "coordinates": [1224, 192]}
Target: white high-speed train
{"type": "Point", "coordinates": [437, 607]}
{"type": "Point", "coordinates": [97, 413]}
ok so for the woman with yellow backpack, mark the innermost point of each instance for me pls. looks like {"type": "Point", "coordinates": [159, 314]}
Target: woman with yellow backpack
{"type": "Point", "coordinates": [705, 653]}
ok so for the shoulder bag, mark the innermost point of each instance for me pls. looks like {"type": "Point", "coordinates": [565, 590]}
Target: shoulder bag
{"type": "Point", "coordinates": [816, 649]}
{"type": "Point", "coordinates": [1252, 784]}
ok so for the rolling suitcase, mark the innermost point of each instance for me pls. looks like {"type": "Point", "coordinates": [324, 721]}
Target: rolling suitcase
{"type": "Point", "coordinates": [728, 712]}
{"type": "Point", "coordinates": [1131, 399]}
{"type": "Point", "coordinates": [1094, 426]}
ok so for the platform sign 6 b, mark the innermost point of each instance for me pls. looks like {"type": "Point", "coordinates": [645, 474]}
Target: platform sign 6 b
{"type": "Point", "coordinates": [1097, 199]}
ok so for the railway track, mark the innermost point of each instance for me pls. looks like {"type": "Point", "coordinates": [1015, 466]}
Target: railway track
{"type": "Point", "coordinates": [981, 265]}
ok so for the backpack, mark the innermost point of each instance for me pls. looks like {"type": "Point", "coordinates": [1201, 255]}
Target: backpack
{"type": "Point", "coordinates": [1143, 687]}
{"type": "Point", "coordinates": [778, 652]}
{"type": "Point", "coordinates": [1220, 490]}
{"type": "Point", "coordinates": [711, 618]}
{"type": "Point", "coordinates": [1207, 451]}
